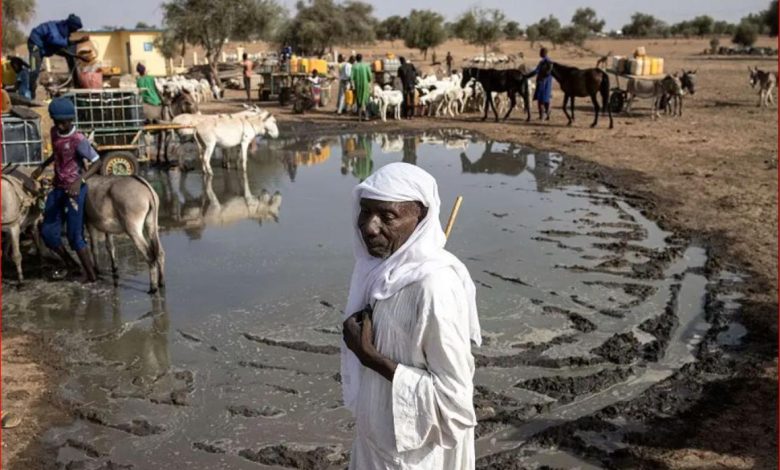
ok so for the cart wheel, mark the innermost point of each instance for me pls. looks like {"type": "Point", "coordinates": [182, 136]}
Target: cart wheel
{"type": "Point", "coordinates": [617, 100]}
{"type": "Point", "coordinates": [120, 163]}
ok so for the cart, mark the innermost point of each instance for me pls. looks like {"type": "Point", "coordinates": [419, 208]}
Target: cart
{"type": "Point", "coordinates": [618, 96]}
{"type": "Point", "coordinates": [113, 119]}
{"type": "Point", "coordinates": [22, 138]}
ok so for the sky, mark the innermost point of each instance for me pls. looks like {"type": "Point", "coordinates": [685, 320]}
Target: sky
{"type": "Point", "coordinates": [98, 13]}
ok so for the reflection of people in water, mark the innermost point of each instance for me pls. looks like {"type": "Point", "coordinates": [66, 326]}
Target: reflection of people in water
{"type": "Point", "coordinates": [410, 149]}
{"type": "Point", "coordinates": [356, 156]}
{"type": "Point", "coordinates": [511, 162]}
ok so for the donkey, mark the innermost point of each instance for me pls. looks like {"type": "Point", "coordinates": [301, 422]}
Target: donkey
{"type": "Point", "coordinates": [126, 205]}
{"type": "Point", "coordinates": [580, 83]}
{"type": "Point", "coordinates": [230, 131]}
{"type": "Point", "coordinates": [21, 196]}
{"type": "Point", "coordinates": [511, 81]}
{"type": "Point", "coordinates": [766, 81]}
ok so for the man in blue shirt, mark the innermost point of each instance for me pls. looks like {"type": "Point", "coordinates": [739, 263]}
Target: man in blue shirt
{"type": "Point", "coordinates": [48, 39]}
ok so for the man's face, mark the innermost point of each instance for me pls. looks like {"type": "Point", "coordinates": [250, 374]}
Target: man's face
{"type": "Point", "coordinates": [385, 226]}
{"type": "Point", "coordinates": [64, 126]}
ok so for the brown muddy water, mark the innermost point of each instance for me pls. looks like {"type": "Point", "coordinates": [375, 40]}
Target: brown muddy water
{"type": "Point", "coordinates": [583, 303]}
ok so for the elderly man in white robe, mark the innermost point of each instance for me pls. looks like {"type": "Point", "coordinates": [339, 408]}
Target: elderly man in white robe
{"type": "Point", "coordinates": [406, 365]}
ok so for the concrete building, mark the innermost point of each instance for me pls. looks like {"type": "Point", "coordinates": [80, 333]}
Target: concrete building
{"type": "Point", "coordinates": [124, 48]}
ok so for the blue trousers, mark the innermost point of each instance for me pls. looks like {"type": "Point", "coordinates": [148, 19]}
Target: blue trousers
{"type": "Point", "coordinates": [59, 208]}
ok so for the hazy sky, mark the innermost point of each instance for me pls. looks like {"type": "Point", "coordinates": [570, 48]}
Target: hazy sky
{"type": "Point", "coordinates": [97, 13]}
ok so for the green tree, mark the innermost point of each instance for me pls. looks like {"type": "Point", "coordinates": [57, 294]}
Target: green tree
{"type": "Point", "coordinates": [424, 30]}
{"type": "Point", "coordinates": [573, 34]}
{"type": "Point", "coordinates": [391, 28]}
{"type": "Point", "coordinates": [643, 25]}
{"type": "Point", "coordinates": [512, 30]}
{"type": "Point", "coordinates": [723, 27]}
{"type": "Point", "coordinates": [702, 25]}
{"type": "Point", "coordinates": [15, 14]}
{"type": "Point", "coordinates": [210, 23]}
{"type": "Point", "coordinates": [488, 28]}
{"type": "Point", "coordinates": [143, 25]}
{"type": "Point", "coordinates": [170, 45]}
{"type": "Point", "coordinates": [550, 29]}
{"type": "Point", "coordinates": [533, 34]}
{"type": "Point", "coordinates": [465, 26]}
{"type": "Point", "coordinates": [714, 44]}
{"type": "Point", "coordinates": [758, 20]}
{"type": "Point", "coordinates": [586, 19]}
{"type": "Point", "coordinates": [745, 34]}
{"type": "Point", "coordinates": [321, 24]}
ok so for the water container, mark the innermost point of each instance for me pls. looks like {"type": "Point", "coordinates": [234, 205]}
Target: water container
{"type": "Point", "coordinates": [660, 69]}
{"type": "Point", "coordinates": [646, 65]}
{"type": "Point", "coordinates": [640, 52]}
{"type": "Point", "coordinates": [349, 97]}
{"type": "Point", "coordinates": [377, 66]}
{"type": "Point", "coordinates": [635, 66]}
{"type": "Point", "coordinates": [615, 63]}
{"type": "Point", "coordinates": [294, 64]}
{"type": "Point", "coordinates": [303, 66]}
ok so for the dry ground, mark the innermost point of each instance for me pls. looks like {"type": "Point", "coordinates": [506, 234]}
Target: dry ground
{"type": "Point", "coordinates": [711, 174]}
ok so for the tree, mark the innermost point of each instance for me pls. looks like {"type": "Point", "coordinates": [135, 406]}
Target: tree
{"type": "Point", "coordinates": [170, 45]}
{"type": "Point", "coordinates": [714, 44]}
{"type": "Point", "coordinates": [702, 25]}
{"type": "Point", "coordinates": [143, 25]}
{"type": "Point", "coordinates": [424, 30]}
{"type": "Point", "coordinates": [210, 23]}
{"type": "Point", "coordinates": [512, 30]}
{"type": "Point", "coordinates": [683, 28]}
{"type": "Point", "coordinates": [488, 27]}
{"type": "Point", "coordinates": [586, 18]}
{"type": "Point", "coordinates": [465, 26]}
{"type": "Point", "coordinates": [573, 34]}
{"type": "Point", "coordinates": [550, 29]}
{"type": "Point", "coordinates": [15, 14]}
{"type": "Point", "coordinates": [533, 34]}
{"type": "Point", "coordinates": [770, 18]}
{"type": "Point", "coordinates": [758, 20]}
{"type": "Point", "coordinates": [319, 25]}
{"type": "Point", "coordinates": [745, 34]}
{"type": "Point", "coordinates": [723, 27]}
{"type": "Point", "coordinates": [643, 25]}
{"type": "Point", "coordinates": [391, 28]}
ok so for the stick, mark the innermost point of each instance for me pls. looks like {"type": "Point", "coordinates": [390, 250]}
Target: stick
{"type": "Point", "coordinates": [453, 216]}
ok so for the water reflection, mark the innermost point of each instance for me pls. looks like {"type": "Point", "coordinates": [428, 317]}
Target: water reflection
{"type": "Point", "coordinates": [233, 201]}
{"type": "Point", "coordinates": [356, 151]}
{"type": "Point", "coordinates": [510, 162]}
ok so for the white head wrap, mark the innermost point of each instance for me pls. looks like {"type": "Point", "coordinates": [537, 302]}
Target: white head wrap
{"type": "Point", "coordinates": [422, 254]}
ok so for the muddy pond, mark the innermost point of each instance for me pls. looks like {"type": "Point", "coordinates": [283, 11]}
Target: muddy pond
{"type": "Point", "coordinates": [583, 303]}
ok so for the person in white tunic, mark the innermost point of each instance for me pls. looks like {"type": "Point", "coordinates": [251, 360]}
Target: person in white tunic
{"type": "Point", "coordinates": [406, 364]}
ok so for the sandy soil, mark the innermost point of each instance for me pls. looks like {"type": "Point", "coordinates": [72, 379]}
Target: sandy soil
{"type": "Point", "coordinates": [710, 175]}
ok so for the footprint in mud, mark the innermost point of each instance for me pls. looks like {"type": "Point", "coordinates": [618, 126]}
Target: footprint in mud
{"type": "Point", "coordinates": [263, 412]}
{"type": "Point", "coordinates": [302, 458]}
{"type": "Point", "coordinates": [567, 389]}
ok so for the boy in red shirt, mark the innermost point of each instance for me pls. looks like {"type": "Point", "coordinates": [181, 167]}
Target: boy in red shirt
{"type": "Point", "coordinates": [67, 199]}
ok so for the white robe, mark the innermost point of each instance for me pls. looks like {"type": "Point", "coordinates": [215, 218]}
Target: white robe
{"type": "Point", "coordinates": [425, 418]}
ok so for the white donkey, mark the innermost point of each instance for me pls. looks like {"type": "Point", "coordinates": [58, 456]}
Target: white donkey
{"type": "Point", "coordinates": [232, 131]}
